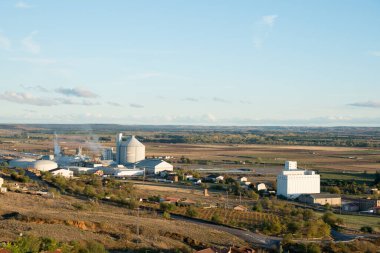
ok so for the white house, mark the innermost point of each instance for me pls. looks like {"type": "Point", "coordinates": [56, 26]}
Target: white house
{"type": "Point", "coordinates": [154, 166]}
{"type": "Point", "coordinates": [62, 172]}
{"type": "Point", "coordinates": [261, 187]}
{"type": "Point", "coordinates": [242, 179]}
{"type": "Point", "coordinates": [292, 182]}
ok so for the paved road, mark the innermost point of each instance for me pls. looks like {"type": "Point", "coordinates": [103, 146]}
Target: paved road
{"type": "Point", "coordinates": [248, 236]}
{"type": "Point", "coordinates": [340, 237]}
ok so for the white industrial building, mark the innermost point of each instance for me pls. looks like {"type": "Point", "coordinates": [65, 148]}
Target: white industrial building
{"type": "Point", "coordinates": [44, 165]}
{"type": "Point", "coordinates": [62, 172]}
{"type": "Point", "coordinates": [154, 166]}
{"type": "Point", "coordinates": [27, 163]}
{"type": "Point", "coordinates": [129, 150]}
{"type": "Point", "coordinates": [292, 182]}
{"type": "Point", "coordinates": [128, 172]}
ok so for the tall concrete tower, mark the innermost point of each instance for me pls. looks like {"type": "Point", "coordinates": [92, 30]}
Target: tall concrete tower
{"type": "Point", "coordinates": [119, 138]}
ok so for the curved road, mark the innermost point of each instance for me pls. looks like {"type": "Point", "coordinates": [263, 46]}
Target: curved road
{"type": "Point", "coordinates": [256, 239]}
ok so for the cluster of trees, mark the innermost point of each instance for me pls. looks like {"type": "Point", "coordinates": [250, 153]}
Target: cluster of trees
{"type": "Point", "coordinates": [94, 187]}
{"type": "Point", "coordinates": [30, 244]}
{"type": "Point", "coordinates": [295, 222]}
{"type": "Point", "coordinates": [345, 187]}
{"type": "Point", "coordinates": [20, 176]}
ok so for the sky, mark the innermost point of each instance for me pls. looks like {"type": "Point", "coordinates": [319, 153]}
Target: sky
{"type": "Point", "coordinates": [200, 62]}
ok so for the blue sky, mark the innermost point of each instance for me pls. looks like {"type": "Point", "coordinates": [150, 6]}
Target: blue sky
{"type": "Point", "coordinates": [190, 62]}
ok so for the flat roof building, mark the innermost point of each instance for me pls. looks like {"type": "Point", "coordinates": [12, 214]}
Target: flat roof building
{"type": "Point", "coordinates": [292, 182]}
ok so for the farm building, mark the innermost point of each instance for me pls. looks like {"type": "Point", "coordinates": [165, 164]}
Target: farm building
{"type": "Point", "coordinates": [154, 166]}
{"type": "Point", "coordinates": [242, 179]}
{"type": "Point", "coordinates": [321, 199]}
{"type": "Point", "coordinates": [261, 187]}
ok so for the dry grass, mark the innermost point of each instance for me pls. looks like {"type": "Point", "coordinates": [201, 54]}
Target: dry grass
{"type": "Point", "coordinates": [111, 225]}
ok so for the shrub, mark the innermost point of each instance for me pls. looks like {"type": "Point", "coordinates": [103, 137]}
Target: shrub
{"type": "Point", "coordinates": [166, 215]}
{"type": "Point", "coordinates": [367, 229]}
{"type": "Point", "coordinates": [190, 211]}
{"type": "Point", "coordinates": [216, 218]}
{"type": "Point", "coordinates": [167, 206]}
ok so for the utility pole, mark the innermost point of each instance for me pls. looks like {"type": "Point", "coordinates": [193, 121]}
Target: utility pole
{"type": "Point", "coordinates": [138, 222]}
{"type": "Point", "coordinates": [240, 197]}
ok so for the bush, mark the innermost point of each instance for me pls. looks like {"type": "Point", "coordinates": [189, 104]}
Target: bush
{"type": "Point", "coordinates": [167, 206]}
{"type": "Point", "coordinates": [166, 215]}
{"type": "Point", "coordinates": [367, 229]}
{"type": "Point", "coordinates": [216, 218]}
{"type": "Point", "coordinates": [190, 211]}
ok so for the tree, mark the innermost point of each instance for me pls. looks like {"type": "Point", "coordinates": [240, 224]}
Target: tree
{"type": "Point", "coordinates": [166, 207]}
{"type": "Point", "coordinates": [166, 215]}
{"type": "Point", "coordinates": [367, 229]}
{"type": "Point", "coordinates": [190, 211]}
{"type": "Point", "coordinates": [216, 218]}
{"type": "Point", "coordinates": [313, 248]}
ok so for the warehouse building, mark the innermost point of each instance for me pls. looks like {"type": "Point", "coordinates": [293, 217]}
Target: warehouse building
{"type": "Point", "coordinates": [321, 199]}
{"type": "Point", "coordinates": [154, 166]}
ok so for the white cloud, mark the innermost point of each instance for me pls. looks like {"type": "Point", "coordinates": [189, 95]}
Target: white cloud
{"type": "Point", "coordinates": [114, 104]}
{"type": "Point", "coordinates": [77, 92]}
{"type": "Point", "coordinates": [191, 99]}
{"type": "Point", "coordinates": [221, 100]}
{"type": "Point", "coordinates": [42, 61]}
{"type": "Point", "coordinates": [30, 45]}
{"type": "Point", "coordinates": [370, 104]}
{"type": "Point", "coordinates": [22, 5]}
{"type": "Point", "coordinates": [375, 53]}
{"type": "Point", "coordinates": [136, 105]}
{"type": "Point", "coordinates": [34, 88]}
{"type": "Point", "coordinates": [262, 29]}
{"type": "Point", "coordinates": [5, 43]}
{"type": "Point", "coordinates": [26, 98]}
{"type": "Point", "coordinates": [66, 101]}
{"type": "Point", "coordinates": [269, 20]}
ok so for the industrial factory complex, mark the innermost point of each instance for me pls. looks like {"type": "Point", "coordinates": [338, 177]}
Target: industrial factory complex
{"type": "Point", "coordinates": [128, 160]}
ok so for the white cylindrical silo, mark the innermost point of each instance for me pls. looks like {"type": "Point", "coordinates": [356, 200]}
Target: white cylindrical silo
{"type": "Point", "coordinates": [135, 150]}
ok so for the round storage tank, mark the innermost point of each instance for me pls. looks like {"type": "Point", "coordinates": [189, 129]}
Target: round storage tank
{"type": "Point", "coordinates": [45, 165]}
{"type": "Point", "coordinates": [23, 163]}
{"type": "Point", "coordinates": [135, 150]}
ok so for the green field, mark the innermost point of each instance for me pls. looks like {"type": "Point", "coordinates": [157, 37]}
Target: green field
{"type": "Point", "coordinates": [367, 178]}
{"type": "Point", "coordinates": [357, 221]}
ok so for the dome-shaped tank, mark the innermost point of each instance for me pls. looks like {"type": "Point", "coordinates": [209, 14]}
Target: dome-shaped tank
{"type": "Point", "coordinates": [44, 165]}
{"type": "Point", "coordinates": [23, 163]}
{"type": "Point", "coordinates": [132, 150]}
